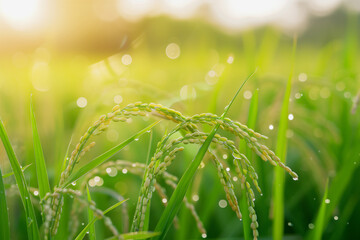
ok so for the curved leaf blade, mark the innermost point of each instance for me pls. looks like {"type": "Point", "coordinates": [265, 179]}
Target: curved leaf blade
{"type": "Point", "coordinates": [83, 232]}
{"type": "Point", "coordinates": [32, 227]}
{"type": "Point", "coordinates": [42, 176]}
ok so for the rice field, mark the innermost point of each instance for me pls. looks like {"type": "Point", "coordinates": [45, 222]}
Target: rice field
{"type": "Point", "coordinates": [188, 132]}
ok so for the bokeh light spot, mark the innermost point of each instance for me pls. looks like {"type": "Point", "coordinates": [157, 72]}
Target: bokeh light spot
{"type": "Point", "coordinates": [118, 99]}
{"type": "Point", "coordinates": [187, 92]}
{"type": "Point", "coordinates": [126, 59]}
{"type": "Point", "coordinates": [172, 51]}
{"type": "Point", "coordinates": [81, 102]}
{"type": "Point", "coordinates": [222, 203]}
{"type": "Point", "coordinates": [302, 77]}
{"type": "Point", "coordinates": [247, 94]}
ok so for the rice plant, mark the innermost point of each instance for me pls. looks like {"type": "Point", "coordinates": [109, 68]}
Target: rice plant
{"type": "Point", "coordinates": [191, 129]}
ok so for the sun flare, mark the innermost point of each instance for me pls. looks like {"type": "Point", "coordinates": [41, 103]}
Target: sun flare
{"type": "Point", "coordinates": [20, 14]}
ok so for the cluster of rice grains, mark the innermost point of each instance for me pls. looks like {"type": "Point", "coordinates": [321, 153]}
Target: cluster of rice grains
{"type": "Point", "coordinates": [164, 155]}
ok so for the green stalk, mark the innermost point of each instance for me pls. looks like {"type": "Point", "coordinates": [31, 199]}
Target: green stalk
{"type": "Point", "coordinates": [4, 218]}
{"type": "Point", "coordinates": [92, 235]}
{"type": "Point", "coordinates": [281, 149]}
{"type": "Point", "coordinates": [320, 219]}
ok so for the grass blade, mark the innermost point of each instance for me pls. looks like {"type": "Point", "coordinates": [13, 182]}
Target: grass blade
{"type": "Point", "coordinates": [83, 232]}
{"type": "Point", "coordinates": [32, 227]}
{"type": "Point", "coordinates": [281, 149]}
{"type": "Point", "coordinates": [320, 219]}
{"type": "Point", "coordinates": [63, 163]}
{"type": "Point", "coordinates": [135, 235]}
{"type": "Point", "coordinates": [12, 173]}
{"type": "Point", "coordinates": [4, 218]}
{"type": "Point", "coordinates": [92, 235]}
{"type": "Point", "coordinates": [103, 157]}
{"type": "Point", "coordinates": [42, 176]}
{"type": "Point", "coordinates": [178, 195]}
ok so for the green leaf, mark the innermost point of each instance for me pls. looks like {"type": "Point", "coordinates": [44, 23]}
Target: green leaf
{"type": "Point", "coordinates": [320, 219]}
{"type": "Point", "coordinates": [32, 227]}
{"type": "Point", "coordinates": [42, 176]}
{"type": "Point", "coordinates": [4, 218]}
{"type": "Point", "coordinates": [92, 235]}
{"type": "Point", "coordinates": [135, 235]}
{"type": "Point", "coordinates": [178, 195]}
{"type": "Point", "coordinates": [105, 156]}
{"type": "Point", "coordinates": [12, 173]}
{"type": "Point", "coordinates": [281, 149]}
{"type": "Point", "coordinates": [83, 232]}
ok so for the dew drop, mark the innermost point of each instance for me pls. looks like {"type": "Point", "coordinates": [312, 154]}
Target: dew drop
{"type": "Point", "coordinates": [195, 198]}
{"type": "Point", "coordinates": [92, 183]}
{"type": "Point", "coordinates": [136, 139]}
{"type": "Point", "coordinates": [311, 226]}
{"type": "Point", "coordinates": [327, 201]}
{"type": "Point", "coordinates": [222, 203]}
{"type": "Point", "coordinates": [204, 235]}
{"type": "Point", "coordinates": [97, 179]}
{"type": "Point", "coordinates": [295, 178]}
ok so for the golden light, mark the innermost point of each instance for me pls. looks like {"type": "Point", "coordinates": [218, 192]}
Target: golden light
{"type": "Point", "coordinates": [20, 14]}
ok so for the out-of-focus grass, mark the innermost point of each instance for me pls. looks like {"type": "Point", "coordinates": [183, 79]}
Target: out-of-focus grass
{"type": "Point", "coordinates": [4, 216]}
{"type": "Point", "coordinates": [281, 151]}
